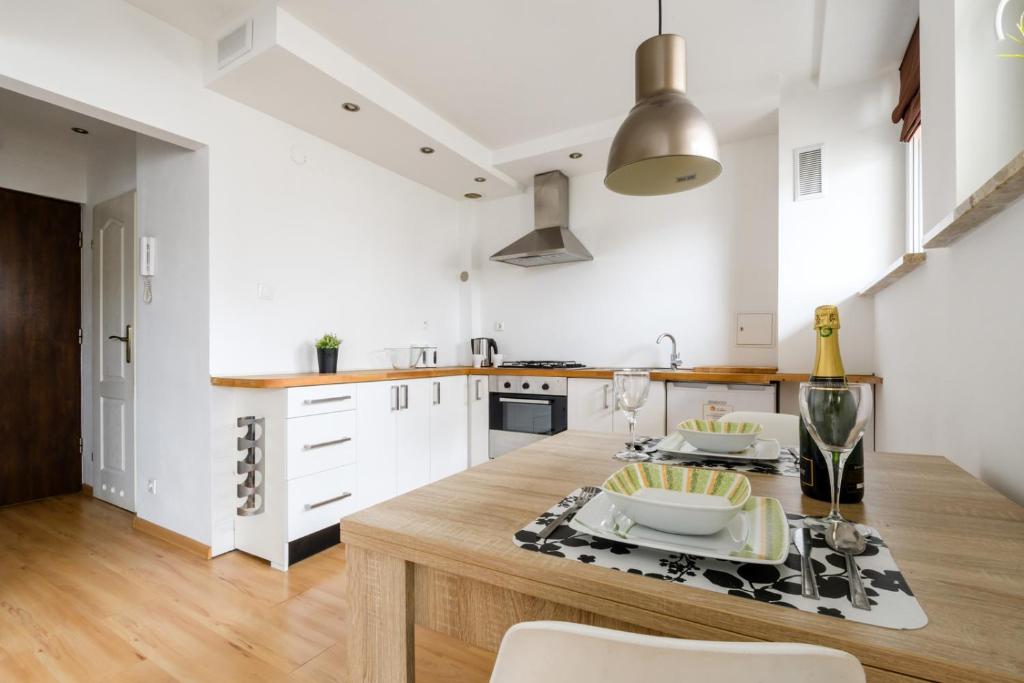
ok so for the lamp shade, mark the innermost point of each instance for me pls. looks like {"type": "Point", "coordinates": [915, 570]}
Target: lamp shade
{"type": "Point", "coordinates": [665, 145]}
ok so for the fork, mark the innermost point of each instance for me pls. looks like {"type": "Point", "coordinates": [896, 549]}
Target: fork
{"type": "Point", "coordinates": [586, 494]}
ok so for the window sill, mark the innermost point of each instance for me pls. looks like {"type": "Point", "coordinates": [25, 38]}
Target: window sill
{"type": "Point", "coordinates": [903, 265]}
{"type": "Point", "coordinates": [1001, 190]}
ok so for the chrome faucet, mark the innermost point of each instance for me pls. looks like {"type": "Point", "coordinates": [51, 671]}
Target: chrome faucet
{"type": "Point", "coordinates": [675, 360]}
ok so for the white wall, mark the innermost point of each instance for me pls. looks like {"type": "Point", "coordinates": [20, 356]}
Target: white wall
{"type": "Point", "coordinates": [938, 111]}
{"type": "Point", "coordinates": [949, 349]}
{"type": "Point", "coordinates": [989, 96]}
{"type": "Point", "coordinates": [285, 209]}
{"type": "Point", "coordinates": [31, 160]}
{"type": "Point", "coordinates": [172, 343]}
{"type": "Point", "coordinates": [831, 247]}
{"type": "Point", "coordinates": [684, 263]}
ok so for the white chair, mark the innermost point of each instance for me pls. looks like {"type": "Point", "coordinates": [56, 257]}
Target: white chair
{"type": "Point", "coordinates": [559, 652]}
{"type": "Point", "coordinates": [783, 428]}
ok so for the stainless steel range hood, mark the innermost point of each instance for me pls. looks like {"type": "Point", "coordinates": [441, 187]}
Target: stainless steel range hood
{"type": "Point", "coordinates": [550, 241]}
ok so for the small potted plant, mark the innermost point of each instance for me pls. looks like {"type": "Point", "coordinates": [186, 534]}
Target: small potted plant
{"type": "Point", "coordinates": [327, 353]}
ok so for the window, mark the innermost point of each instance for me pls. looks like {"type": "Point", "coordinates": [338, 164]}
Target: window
{"type": "Point", "coordinates": [915, 224]}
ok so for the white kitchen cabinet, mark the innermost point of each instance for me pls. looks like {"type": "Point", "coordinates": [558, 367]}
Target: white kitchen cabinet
{"type": "Point", "coordinates": [412, 434]}
{"type": "Point", "coordinates": [709, 401]}
{"type": "Point", "coordinates": [377, 451]}
{"type": "Point", "coordinates": [592, 407]}
{"type": "Point", "coordinates": [479, 419]}
{"type": "Point", "coordinates": [449, 424]}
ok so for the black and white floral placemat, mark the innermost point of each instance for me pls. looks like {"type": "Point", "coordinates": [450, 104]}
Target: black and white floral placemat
{"type": "Point", "coordinates": [893, 605]}
{"type": "Point", "coordinates": [788, 464]}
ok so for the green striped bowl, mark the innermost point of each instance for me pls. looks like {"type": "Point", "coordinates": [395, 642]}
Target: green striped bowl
{"type": "Point", "coordinates": [720, 437]}
{"type": "Point", "coordinates": [678, 500]}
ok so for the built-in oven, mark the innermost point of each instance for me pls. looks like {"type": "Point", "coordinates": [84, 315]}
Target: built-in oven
{"type": "Point", "coordinates": [525, 409]}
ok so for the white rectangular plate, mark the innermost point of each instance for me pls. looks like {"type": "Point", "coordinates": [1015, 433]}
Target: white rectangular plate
{"type": "Point", "coordinates": [762, 449]}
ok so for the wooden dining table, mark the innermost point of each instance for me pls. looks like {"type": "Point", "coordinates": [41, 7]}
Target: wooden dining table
{"type": "Point", "coordinates": [442, 557]}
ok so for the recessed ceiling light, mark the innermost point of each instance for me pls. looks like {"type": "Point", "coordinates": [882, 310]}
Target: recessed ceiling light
{"type": "Point", "coordinates": [80, 131]}
{"type": "Point", "coordinates": [472, 195]}
{"type": "Point", "coordinates": [427, 150]}
{"type": "Point", "coordinates": [350, 106]}
{"type": "Point", "coordinates": [576, 155]}
{"type": "Point", "coordinates": [480, 179]}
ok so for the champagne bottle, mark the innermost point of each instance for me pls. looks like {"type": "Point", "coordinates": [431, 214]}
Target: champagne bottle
{"type": "Point", "coordinates": [828, 371]}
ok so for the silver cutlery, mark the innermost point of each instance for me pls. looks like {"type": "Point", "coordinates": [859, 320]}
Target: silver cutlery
{"type": "Point", "coordinates": [808, 578]}
{"type": "Point", "coordinates": [586, 494]}
{"type": "Point", "coordinates": [843, 537]}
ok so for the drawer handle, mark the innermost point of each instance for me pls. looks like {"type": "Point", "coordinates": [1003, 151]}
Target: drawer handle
{"type": "Point", "coordinates": [324, 444]}
{"type": "Point", "coordinates": [331, 399]}
{"type": "Point", "coordinates": [313, 506]}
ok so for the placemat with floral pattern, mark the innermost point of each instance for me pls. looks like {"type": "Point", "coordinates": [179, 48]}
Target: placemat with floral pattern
{"type": "Point", "coordinates": [893, 604]}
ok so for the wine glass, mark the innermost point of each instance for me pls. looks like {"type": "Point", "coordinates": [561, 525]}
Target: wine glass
{"type": "Point", "coordinates": [836, 416]}
{"type": "Point", "coordinates": [631, 389]}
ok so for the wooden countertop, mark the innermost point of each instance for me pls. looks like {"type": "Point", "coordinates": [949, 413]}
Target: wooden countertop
{"type": "Point", "coordinates": [958, 542]}
{"type": "Point", "coordinates": [721, 374]}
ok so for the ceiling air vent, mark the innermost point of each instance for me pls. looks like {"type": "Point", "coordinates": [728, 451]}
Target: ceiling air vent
{"type": "Point", "coordinates": [234, 45]}
{"type": "Point", "coordinates": [807, 173]}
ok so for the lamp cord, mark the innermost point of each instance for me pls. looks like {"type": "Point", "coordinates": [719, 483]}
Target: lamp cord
{"type": "Point", "coordinates": [659, 17]}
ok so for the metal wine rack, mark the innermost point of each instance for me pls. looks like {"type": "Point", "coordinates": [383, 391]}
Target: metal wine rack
{"type": "Point", "coordinates": [252, 465]}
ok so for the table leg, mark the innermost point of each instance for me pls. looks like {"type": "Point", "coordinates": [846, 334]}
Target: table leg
{"type": "Point", "coordinates": [380, 590]}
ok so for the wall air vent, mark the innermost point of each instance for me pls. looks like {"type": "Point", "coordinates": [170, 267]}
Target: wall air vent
{"type": "Point", "coordinates": [234, 44]}
{"type": "Point", "coordinates": [808, 177]}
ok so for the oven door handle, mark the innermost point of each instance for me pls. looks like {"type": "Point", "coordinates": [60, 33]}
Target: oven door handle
{"type": "Point", "coordinates": [532, 401]}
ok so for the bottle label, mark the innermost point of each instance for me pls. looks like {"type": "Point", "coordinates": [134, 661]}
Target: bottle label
{"type": "Point", "coordinates": [807, 470]}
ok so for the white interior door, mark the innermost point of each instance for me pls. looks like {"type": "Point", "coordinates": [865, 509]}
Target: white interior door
{"type": "Point", "coordinates": [113, 305]}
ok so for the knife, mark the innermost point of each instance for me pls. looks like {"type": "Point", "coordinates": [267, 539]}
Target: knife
{"type": "Point", "coordinates": [808, 579]}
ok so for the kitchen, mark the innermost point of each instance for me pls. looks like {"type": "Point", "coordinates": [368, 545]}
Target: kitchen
{"type": "Point", "coordinates": [365, 249]}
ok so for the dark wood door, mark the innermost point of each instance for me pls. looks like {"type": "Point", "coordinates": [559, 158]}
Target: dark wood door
{"type": "Point", "coordinates": [40, 360]}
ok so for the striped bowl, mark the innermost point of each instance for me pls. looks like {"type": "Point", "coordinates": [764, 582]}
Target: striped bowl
{"type": "Point", "coordinates": [678, 500]}
{"type": "Point", "coordinates": [720, 437]}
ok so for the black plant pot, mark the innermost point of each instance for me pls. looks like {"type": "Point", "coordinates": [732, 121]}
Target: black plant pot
{"type": "Point", "coordinates": [327, 359]}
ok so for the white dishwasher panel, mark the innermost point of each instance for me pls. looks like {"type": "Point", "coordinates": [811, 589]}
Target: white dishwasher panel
{"type": "Point", "coordinates": [708, 401]}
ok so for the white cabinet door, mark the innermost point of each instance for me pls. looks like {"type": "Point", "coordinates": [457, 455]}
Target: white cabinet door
{"type": "Point", "coordinates": [479, 420]}
{"type": "Point", "coordinates": [591, 404]}
{"type": "Point", "coordinates": [376, 445]}
{"type": "Point", "coordinates": [413, 434]}
{"type": "Point", "coordinates": [651, 418]}
{"type": "Point", "coordinates": [449, 425]}
{"type": "Point", "coordinates": [710, 401]}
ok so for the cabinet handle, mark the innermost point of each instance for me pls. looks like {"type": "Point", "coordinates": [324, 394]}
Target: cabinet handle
{"type": "Point", "coordinates": [330, 399]}
{"type": "Point", "coordinates": [531, 401]}
{"type": "Point", "coordinates": [478, 389]}
{"type": "Point", "coordinates": [394, 399]}
{"type": "Point", "coordinates": [324, 444]}
{"type": "Point", "coordinates": [313, 506]}
{"type": "Point", "coordinates": [437, 393]}
{"type": "Point", "coordinates": [405, 397]}
{"type": "Point", "coordinates": [606, 388]}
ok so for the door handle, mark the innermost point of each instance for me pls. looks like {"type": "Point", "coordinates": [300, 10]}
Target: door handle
{"type": "Point", "coordinates": [607, 406]}
{"type": "Point", "coordinates": [478, 389]}
{"type": "Point", "coordinates": [325, 444]}
{"type": "Point", "coordinates": [405, 397]}
{"type": "Point", "coordinates": [316, 401]}
{"type": "Point", "coordinates": [127, 340]}
{"type": "Point", "coordinates": [437, 393]}
{"type": "Point", "coordinates": [394, 399]}
{"type": "Point", "coordinates": [314, 506]}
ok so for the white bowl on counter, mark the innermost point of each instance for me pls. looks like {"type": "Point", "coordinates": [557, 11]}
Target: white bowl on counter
{"type": "Point", "coordinates": [720, 437]}
{"type": "Point", "coordinates": [678, 500]}
{"type": "Point", "coordinates": [405, 357]}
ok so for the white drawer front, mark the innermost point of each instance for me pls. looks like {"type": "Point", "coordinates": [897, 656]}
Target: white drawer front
{"type": "Point", "coordinates": [326, 398]}
{"type": "Point", "coordinates": [321, 442]}
{"type": "Point", "coordinates": [320, 500]}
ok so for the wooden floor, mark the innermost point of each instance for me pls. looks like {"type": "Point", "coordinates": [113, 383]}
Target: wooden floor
{"type": "Point", "coordinates": [83, 597]}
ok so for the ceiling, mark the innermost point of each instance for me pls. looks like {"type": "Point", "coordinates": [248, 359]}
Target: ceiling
{"type": "Point", "coordinates": [55, 123]}
{"type": "Point", "coordinates": [527, 81]}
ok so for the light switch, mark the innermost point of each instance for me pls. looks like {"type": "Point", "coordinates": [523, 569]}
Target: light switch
{"type": "Point", "coordinates": [264, 291]}
{"type": "Point", "coordinates": [754, 329]}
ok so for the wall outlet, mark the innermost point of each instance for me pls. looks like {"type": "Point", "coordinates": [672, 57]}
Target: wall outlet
{"type": "Point", "coordinates": [151, 486]}
{"type": "Point", "coordinates": [499, 326]}
{"type": "Point", "coordinates": [264, 291]}
{"type": "Point", "coordinates": [426, 324]}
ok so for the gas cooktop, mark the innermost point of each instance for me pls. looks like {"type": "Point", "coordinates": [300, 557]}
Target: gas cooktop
{"type": "Point", "coordinates": [543, 364]}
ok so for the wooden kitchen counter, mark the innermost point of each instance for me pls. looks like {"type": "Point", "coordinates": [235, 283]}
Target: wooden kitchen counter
{"type": "Point", "coordinates": [716, 374]}
{"type": "Point", "coordinates": [442, 557]}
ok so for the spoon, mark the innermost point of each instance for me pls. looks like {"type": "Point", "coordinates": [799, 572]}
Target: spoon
{"type": "Point", "coordinates": [843, 537]}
